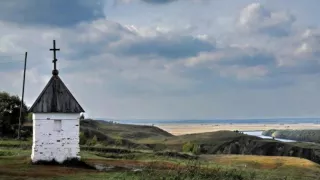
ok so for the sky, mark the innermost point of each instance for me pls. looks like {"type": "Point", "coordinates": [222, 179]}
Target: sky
{"type": "Point", "coordinates": [168, 59]}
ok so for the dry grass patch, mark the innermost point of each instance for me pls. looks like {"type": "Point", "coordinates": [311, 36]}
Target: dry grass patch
{"type": "Point", "coordinates": [261, 162]}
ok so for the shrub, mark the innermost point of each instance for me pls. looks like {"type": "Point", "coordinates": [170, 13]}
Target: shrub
{"type": "Point", "coordinates": [195, 149]}
{"type": "Point", "coordinates": [83, 139]}
{"type": "Point", "coordinates": [94, 140]}
{"type": "Point", "coordinates": [191, 147]}
{"type": "Point", "coordinates": [118, 141]}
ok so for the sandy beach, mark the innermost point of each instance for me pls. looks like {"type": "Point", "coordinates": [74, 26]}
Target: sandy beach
{"type": "Point", "coordinates": [180, 129]}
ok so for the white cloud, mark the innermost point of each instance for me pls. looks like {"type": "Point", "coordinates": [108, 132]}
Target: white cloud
{"type": "Point", "coordinates": [167, 71]}
{"type": "Point", "coordinates": [258, 19]}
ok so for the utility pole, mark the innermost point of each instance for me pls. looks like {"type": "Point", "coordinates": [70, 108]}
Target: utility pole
{"type": "Point", "coordinates": [24, 79]}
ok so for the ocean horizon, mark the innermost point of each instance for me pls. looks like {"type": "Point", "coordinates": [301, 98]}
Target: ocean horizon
{"type": "Point", "coordinates": [217, 121]}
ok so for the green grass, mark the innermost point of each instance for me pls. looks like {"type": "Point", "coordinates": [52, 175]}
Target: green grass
{"type": "Point", "coordinates": [13, 142]}
{"type": "Point", "coordinates": [125, 131]}
{"type": "Point", "coordinates": [153, 167]}
{"type": "Point", "coordinates": [14, 164]}
{"type": "Point", "coordinates": [158, 154]}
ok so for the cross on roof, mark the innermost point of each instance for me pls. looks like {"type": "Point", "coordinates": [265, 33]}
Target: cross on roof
{"type": "Point", "coordinates": [54, 71]}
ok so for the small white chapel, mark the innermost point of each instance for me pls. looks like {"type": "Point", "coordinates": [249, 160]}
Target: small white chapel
{"type": "Point", "coordinates": [56, 121]}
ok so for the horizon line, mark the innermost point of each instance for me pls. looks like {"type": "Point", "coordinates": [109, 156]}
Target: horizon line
{"type": "Point", "coordinates": [204, 119]}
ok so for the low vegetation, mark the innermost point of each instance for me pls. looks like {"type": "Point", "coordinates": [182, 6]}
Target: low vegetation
{"type": "Point", "coordinates": [15, 164]}
{"type": "Point", "coordinates": [298, 135]}
{"type": "Point", "coordinates": [9, 115]}
{"type": "Point", "coordinates": [120, 151]}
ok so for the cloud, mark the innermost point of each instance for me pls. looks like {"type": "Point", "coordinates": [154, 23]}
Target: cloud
{"type": "Point", "coordinates": [111, 67]}
{"type": "Point", "coordinates": [233, 56]}
{"type": "Point", "coordinates": [154, 2]}
{"type": "Point", "coordinates": [163, 46]}
{"type": "Point", "coordinates": [85, 54]}
{"type": "Point", "coordinates": [50, 12]}
{"type": "Point", "coordinates": [258, 19]}
{"type": "Point", "coordinates": [158, 1]}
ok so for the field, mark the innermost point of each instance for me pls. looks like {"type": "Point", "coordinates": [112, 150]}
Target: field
{"type": "Point", "coordinates": [15, 164]}
{"type": "Point", "coordinates": [116, 151]}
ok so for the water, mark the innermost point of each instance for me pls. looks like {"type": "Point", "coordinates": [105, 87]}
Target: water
{"type": "Point", "coordinates": [259, 134]}
{"type": "Point", "coordinates": [223, 121]}
{"type": "Point", "coordinates": [216, 121]}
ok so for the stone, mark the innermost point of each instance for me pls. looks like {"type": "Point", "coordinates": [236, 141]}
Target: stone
{"type": "Point", "coordinates": [50, 143]}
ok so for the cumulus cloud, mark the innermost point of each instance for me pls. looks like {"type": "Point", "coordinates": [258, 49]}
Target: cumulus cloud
{"type": "Point", "coordinates": [50, 12]}
{"type": "Point", "coordinates": [86, 54]}
{"type": "Point", "coordinates": [163, 46]}
{"type": "Point", "coordinates": [111, 66]}
{"type": "Point", "coordinates": [154, 2]}
{"type": "Point", "coordinates": [158, 1]}
{"type": "Point", "coordinates": [259, 19]}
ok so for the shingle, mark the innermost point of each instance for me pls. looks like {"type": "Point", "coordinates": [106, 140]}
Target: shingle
{"type": "Point", "coordinates": [56, 98]}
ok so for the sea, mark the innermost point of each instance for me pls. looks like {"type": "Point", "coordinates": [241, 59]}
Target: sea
{"type": "Point", "coordinates": [216, 121]}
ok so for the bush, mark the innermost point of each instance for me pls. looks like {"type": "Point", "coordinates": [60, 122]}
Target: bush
{"type": "Point", "coordinates": [191, 147]}
{"type": "Point", "coordinates": [83, 139]}
{"type": "Point", "coordinates": [118, 141]}
{"type": "Point", "coordinates": [187, 147]}
{"type": "Point", "coordinates": [195, 149]}
{"type": "Point", "coordinates": [94, 140]}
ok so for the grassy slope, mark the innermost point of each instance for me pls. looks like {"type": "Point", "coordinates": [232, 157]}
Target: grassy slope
{"type": "Point", "coordinates": [299, 135]}
{"type": "Point", "coordinates": [274, 166]}
{"type": "Point", "coordinates": [125, 131]}
{"type": "Point", "coordinates": [13, 161]}
{"type": "Point", "coordinates": [154, 138]}
{"type": "Point", "coordinates": [16, 166]}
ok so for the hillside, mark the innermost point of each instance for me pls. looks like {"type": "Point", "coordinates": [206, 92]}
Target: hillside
{"type": "Point", "coordinates": [125, 135]}
{"type": "Point", "coordinates": [126, 131]}
{"type": "Point", "coordinates": [220, 142]}
{"type": "Point", "coordinates": [154, 152]}
{"type": "Point", "coordinates": [298, 135]}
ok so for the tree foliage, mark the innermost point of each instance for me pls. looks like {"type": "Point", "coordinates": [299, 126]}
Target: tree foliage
{"type": "Point", "coordinates": [83, 139]}
{"type": "Point", "coordinates": [191, 147]}
{"type": "Point", "coordinates": [82, 117]}
{"type": "Point", "coordinates": [9, 114]}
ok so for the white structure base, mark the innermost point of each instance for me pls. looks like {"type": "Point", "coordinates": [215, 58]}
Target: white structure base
{"type": "Point", "coordinates": [55, 137]}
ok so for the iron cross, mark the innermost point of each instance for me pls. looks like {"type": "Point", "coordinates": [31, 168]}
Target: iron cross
{"type": "Point", "coordinates": [54, 54]}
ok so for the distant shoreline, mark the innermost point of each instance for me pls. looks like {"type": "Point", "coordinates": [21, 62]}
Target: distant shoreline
{"type": "Point", "coordinates": [220, 121]}
{"type": "Point", "coordinates": [180, 129]}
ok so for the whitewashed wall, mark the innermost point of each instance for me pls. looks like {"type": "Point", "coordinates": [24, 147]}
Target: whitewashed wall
{"type": "Point", "coordinates": [49, 144]}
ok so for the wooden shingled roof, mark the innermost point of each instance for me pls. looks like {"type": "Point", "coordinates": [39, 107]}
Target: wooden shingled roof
{"type": "Point", "coordinates": [56, 98]}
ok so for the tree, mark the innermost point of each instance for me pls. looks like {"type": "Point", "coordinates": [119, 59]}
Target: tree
{"type": "Point", "coordinates": [83, 139]}
{"type": "Point", "coordinates": [187, 147]}
{"type": "Point", "coordinates": [9, 114]}
{"type": "Point", "coordinates": [82, 117]}
{"type": "Point", "coordinates": [191, 147]}
{"type": "Point", "coordinates": [94, 140]}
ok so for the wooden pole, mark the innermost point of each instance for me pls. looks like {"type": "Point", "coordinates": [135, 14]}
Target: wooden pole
{"type": "Point", "coordinates": [22, 97]}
